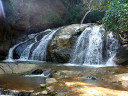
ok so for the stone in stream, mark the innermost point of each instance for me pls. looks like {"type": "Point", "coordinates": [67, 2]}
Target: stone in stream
{"type": "Point", "coordinates": [48, 72]}
{"type": "Point", "coordinates": [42, 85]}
{"type": "Point", "coordinates": [60, 94]}
{"type": "Point", "coordinates": [50, 81]}
{"type": "Point", "coordinates": [37, 71]}
{"type": "Point", "coordinates": [44, 92]}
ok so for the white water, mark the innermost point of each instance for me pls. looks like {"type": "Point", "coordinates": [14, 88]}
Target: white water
{"type": "Point", "coordinates": [40, 75]}
{"type": "Point", "coordinates": [94, 51]}
{"type": "Point", "coordinates": [25, 55]}
{"type": "Point", "coordinates": [112, 45]}
{"type": "Point", "coordinates": [10, 54]}
{"type": "Point", "coordinates": [40, 52]}
{"type": "Point", "coordinates": [2, 13]}
{"type": "Point", "coordinates": [89, 48]}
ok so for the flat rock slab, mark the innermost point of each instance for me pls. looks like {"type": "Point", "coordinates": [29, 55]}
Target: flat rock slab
{"type": "Point", "coordinates": [16, 68]}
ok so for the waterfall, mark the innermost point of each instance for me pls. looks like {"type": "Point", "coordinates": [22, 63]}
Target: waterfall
{"type": "Point", "coordinates": [26, 52]}
{"type": "Point", "coordinates": [89, 47]}
{"type": "Point", "coordinates": [2, 13]}
{"type": "Point", "coordinates": [112, 45]}
{"type": "Point", "coordinates": [94, 51]}
{"type": "Point", "coordinates": [40, 52]}
{"type": "Point", "coordinates": [10, 53]}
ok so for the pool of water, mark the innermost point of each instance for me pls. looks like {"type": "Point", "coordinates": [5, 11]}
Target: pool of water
{"type": "Point", "coordinates": [20, 83]}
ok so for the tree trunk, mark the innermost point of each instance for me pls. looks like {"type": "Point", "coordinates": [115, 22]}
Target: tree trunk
{"type": "Point", "coordinates": [84, 17]}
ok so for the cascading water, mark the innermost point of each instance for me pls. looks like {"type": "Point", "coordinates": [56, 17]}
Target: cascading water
{"type": "Point", "coordinates": [26, 53]}
{"type": "Point", "coordinates": [94, 51]}
{"type": "Point", "coordinates": [2, 13]}
{"type": "Point", "coordinates": [112, 45]}
{"type": "Point", "coordinates": [40, 52]}
{"type": "Point", "coordinates": [10, 54]}
{"type": "Point", "coordinates": [89, 47]}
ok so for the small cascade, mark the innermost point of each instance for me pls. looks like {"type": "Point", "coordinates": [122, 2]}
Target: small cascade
{"type": "Point", "coordinates": [36, 48]}
{"type": "Point", "coordinates": [90, 46]}
{"type": "Point", "coordinates": [94, 51]}
{"type": "Point", "coordinates": [2, 13]}
{"type": "Point", "coordinates": [26, 53]}
{"type": "Point", "coordinates": [112, 45]}
{"type": "Point", "coordinates": [81, 47]}
{"type": "Point", "coordinates": [40, 52]}
{"type": "Point", "coordinates": [10, 54]}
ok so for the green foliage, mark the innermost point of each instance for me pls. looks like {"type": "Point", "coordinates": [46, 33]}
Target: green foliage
{"type": "Point", "coordinates": [74, 14]}
{"type": "Point", "coordinates": [116, 17]}
{"type": "Point", "coordinates": [94, 16]}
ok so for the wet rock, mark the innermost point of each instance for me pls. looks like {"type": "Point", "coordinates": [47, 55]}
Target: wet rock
{"type": "Point", "coordinates": [37, 71]}
{"type": "Point", "coordinates": [48, 72]}
{"type": "Point", "coordinates": [50, 81]}
{"type": "Point", "coordinates": [40, 36]}
{"type": "Point", "coordinates": [42, 85]}
{"type": "Point", "coordinates": [65, 74]}
{"type": "Point", "coordinates": [60, 94]}
{"type": "Point", "coordinates": [19, 49]}
{"type": "Point", "coordinates": [60, 48]}
{"type": "Point", "coordinates": [44, 92]}
{"type": "Point", "coordinates": [36, 93]}
{"type": "Point", "coordinates": [92, 78]}
{"type": "Point", "coordinates": [50, 89]}
{"type": "Point", "coordinates": [24, 94]}
{"type": "Point", "coordinates": [121, 58]}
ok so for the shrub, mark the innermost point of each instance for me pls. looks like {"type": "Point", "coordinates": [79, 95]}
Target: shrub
{"type": "Point", "coordinates": [116, 17]}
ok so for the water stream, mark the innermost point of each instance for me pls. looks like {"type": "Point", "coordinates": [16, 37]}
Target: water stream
{"type": "Point", "coordinates": [89, 47]}
{"type": "Point", "coordinates": [41, 51]}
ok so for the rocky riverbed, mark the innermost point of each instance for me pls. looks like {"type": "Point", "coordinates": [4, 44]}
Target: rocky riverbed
{"type": "Point", "coordinates": [61, 80]}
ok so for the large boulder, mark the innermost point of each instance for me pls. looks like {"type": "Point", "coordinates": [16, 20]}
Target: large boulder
{"type": "Point", "coordinates": [62, 45]}
{"type": "Point", "coordinates": [121, 58]}
{"type": "Point", "coordinates": [33, 15]}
